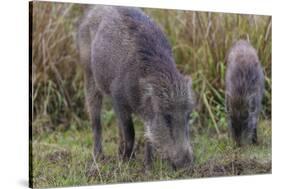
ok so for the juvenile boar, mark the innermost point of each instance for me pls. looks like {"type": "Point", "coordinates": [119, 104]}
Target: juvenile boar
{"type": "Point", "coordinates": [244, 91]}
{"type": "Point", "coordinates": [127, 57]}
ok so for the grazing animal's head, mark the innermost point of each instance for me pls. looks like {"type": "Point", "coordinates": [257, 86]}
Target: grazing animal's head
{"type": "Point", "coordinates": [169, 105]}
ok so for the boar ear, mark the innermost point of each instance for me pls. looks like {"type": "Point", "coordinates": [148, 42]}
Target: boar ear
{"type": "Point", "coordinates": [190, 93]}
{"type": "Point", "coordinates": [146, 87]}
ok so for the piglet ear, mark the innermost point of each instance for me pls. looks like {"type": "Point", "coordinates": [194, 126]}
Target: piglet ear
{"type": "Point", "coordinates": [146, 87]}
{"type": "Point", "coordinates": [227, 95]}
{"type": "Point", "coordinates": [188, 80]}
{"type": "Point", "coordinates": [227, 101]}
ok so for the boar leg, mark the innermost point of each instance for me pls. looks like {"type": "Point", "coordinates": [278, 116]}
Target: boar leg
{"type": "Point", "coordinates": [254, 131]}
{"type": "Point", "coordinates": [255, 137]}
{"type": "Point", "coordinates": [235, 134]}
{"type": "Point", "coordinates": [94, 105]}
{"type": "Point", "coordinates": [126, 128]}
{"type": "Point", "coordinates": [148, 156]}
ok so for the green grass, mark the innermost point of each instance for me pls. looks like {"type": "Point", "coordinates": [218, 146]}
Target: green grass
{"type": "Point", "coordinates": [65, 158]}
{"type": "Point", "coordinates": [61, 143]}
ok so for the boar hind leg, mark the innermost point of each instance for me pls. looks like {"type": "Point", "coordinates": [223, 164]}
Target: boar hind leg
{"type": "Point", "coordinates": [126, 129]}
{"type": "Point", "coordinates": [94, 105]}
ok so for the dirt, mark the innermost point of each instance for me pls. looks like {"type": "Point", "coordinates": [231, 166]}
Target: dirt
{"type": "Point", "coordinates": [231, 168]}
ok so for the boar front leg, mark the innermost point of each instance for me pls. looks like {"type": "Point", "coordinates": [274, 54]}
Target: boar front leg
{"type": "Point", "coordinates": [253, 129]}
{"type": "Point", "coordinates": [148, 156]}
{"type": "Point", "coordinates": [126, 128]}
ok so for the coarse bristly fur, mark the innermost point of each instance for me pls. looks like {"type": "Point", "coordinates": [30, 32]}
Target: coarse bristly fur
{"type": "Point", "coordinates": [126, 56]}
{"type": "Point", "coordinates": [244, 91]}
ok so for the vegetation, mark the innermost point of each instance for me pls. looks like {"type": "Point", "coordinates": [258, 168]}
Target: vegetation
{"type": "Point", "coordinates": [61, 144]}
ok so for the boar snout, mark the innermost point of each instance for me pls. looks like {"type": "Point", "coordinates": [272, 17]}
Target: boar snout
{"type": "Point", "coordinates": [183, 158]}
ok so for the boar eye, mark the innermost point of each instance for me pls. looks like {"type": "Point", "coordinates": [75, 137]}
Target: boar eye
{"type": "Point", "coordinates": [168, 119]}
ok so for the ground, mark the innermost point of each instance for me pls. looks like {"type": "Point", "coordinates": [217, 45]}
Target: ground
{"type": "Point", "coordinates": [64, 158]}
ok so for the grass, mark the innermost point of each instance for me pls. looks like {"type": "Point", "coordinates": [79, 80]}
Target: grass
{"type": "Point", "coordinates": [61, 146]}
{"type": "Point", "coordinates": [65, 158]}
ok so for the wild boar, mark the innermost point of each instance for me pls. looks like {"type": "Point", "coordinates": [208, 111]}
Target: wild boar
{"type": "Point", "coordinates": [244, 91]}
{"type": "Point", "coordinates": [127, 57]}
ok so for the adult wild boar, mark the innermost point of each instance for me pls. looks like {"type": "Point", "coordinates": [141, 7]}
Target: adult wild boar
{"type": "Point", "coordinates": [127, 57]}
{"type": "Point", "coordinates": [244, 91]}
